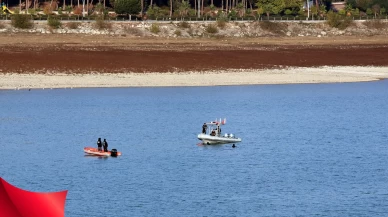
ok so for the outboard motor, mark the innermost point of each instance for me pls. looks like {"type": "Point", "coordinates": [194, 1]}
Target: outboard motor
{"type": "Point", "coordinates": [113, 153]}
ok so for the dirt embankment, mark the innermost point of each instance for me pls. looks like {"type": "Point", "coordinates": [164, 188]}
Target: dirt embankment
{"type": "Point", "coordinates": [82, 54]}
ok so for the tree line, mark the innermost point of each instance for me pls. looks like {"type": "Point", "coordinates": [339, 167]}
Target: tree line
{"type": "Point", "coordinates": [228, 8]}
{"type": "Point", "coordinates": [241, 8]}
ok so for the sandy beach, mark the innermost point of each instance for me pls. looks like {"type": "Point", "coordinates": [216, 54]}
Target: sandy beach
{"type": "Point", "coordinates": [72, 61]}
{"type": "Point", "coordinates": [212, 78]}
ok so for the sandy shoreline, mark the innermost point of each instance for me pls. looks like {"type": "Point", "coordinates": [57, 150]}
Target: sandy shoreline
{"type": "Point", "coordinates": [210, 78]}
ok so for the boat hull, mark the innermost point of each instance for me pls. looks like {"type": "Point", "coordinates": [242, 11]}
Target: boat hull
{"type": "Point", "coordinates": [94, 151]}
{"type": "Point", "coordinates": [210, 140]}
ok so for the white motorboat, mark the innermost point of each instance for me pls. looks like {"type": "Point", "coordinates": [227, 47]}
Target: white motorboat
{"type": "Point", "coordinates": [211, 134]}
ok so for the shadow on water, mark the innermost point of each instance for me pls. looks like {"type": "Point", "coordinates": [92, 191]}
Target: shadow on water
{"type": "Point", "coordinates": [216, 145]}
{"type": "Point", "coordinates": [95, 156]}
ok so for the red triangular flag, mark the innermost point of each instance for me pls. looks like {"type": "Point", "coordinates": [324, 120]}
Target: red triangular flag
{"type": "Point", "coordinates": [16, 202]}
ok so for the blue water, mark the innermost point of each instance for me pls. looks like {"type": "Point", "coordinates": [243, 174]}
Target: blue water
{"type": "Point", "coordinates": [307, 149]}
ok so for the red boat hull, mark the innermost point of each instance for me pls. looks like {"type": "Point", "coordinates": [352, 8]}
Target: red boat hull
{"type": "Point", "coordinates": [95, 151]}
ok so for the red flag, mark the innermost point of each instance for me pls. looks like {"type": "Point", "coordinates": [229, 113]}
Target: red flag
{"type": "Point", "coordinates": [16, 202]}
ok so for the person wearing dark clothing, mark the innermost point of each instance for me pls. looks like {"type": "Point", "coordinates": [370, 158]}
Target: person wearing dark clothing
{"type": "Point", "coordinates": [204, 128]}
{"type": "Point", "coordinates": [99, 144]}
{"type": "Point", "coordinates": [105, 145]}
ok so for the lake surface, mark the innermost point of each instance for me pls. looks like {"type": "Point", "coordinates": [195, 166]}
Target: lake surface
{"type": "Point", "coordinates": [307, 149]}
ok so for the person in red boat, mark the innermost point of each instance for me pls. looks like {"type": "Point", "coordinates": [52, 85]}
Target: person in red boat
{"type": "Point", "coordinates": [99, 144]}
{"type": "Point", "coordinates": [105, 145]}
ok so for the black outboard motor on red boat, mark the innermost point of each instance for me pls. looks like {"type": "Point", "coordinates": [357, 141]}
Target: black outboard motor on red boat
{"type": "Point", "coordinates": [113, 153]}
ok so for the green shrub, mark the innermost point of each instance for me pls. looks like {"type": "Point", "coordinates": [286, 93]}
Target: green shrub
{"type": "Point", "coordinates": [211, 29]}
{"type": "Point", "coordinates": [73, 25]}
{"type": "Point", "coordinates": [369, 11]}
{"type": "Point", "coordinates": [31, 11]}
{"type": "Point", "coordinates": [383, 11]}
{"type": "Point", "coordinates": [342, 12]}
{"type": "Point", "coordinates": [178, 32]}
{"type": "Point", "coordinates": [133, 31]}
{"type": "Point", "coordinates": [155, 28]}
{"type": "Point", "coordinates": [273, 27]}
{"type": "Point", "coordinates": [22, 21]}
{"type": "Point", "coordinates": [222, 16]}
{"type": "Point", "coordinates": [356, 12]}
{"type": "Point", "coordinates": [233, 14]}
{"type": "Point", "coordinates": [337, 21]}
{"type": "Point", "coordinates": [184, 25]}
{"type": "Point", "coordinates": [53, 22]}
{"type": "Point", "coordinates": [221, 23]}
{"type": "Point", "coordinates": [190, 31]}
{"type": "Point", "coordinates": [375, 24]}
{"type": "Point", "coordinates": [288, 12]}
{"type": "Point", "coordinates": [101, 24]}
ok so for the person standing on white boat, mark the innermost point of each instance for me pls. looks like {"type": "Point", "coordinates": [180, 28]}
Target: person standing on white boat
{"type": "Point", "coordinates": [218, 130]}
{"type": "Point", "coordinates": [204, 128]}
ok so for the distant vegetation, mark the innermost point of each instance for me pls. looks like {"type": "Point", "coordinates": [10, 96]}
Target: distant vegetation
{"type": "Point", "coordinates": [22, 21]}
{"type": "Point", "coordinates": [53, 22]}
{"type": "Point", "coordinates": [155, 28]}
{"type": "Point", "coordinates": [184, 25]}
{"type": "Point", "coordinates": [375, 24]}
{"type": "Point", "coordinates": [337, 21]}
{"type": "Point", "coordinates": [223, 10]}
{"type": "Point", "coordinates": [72, 25]}
{"type": "Point", "coordinates": [274, 27]}
{"type": "Point", "coordinates": [101, 24]}
{"type": "Point", "coordinates": [211, 29]}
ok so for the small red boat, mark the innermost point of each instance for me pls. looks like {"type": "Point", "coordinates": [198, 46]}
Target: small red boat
{"type": "Point", "coordinates": [95, 151]}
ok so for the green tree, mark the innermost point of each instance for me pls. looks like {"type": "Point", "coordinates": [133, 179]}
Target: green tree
{"type": "Point", "coordinates": [382, 3]}
{"type": "Point", "coordinates": [260, 12]}
{"type": "Point", "coordinates": [278, 6]}
{"type": "Point", "coordinates": [369, 11]}
{"type": "Point", "coordinates": [348, 9]}
{"type": "Point", "coordinates": [154, 12]}
{"type": "Point", "coordinates": [376, 9]}
{"type": "Point", "coordinates": [127, 6]}
{"type": "Point", "coordinates": [353, 3]}
{"type": "Point", "coordinates": [293, 5]}
{"type": "Point", "coordinates": [383, 11]}
{"type": "Point", "coordinates": [184, 8]}
{"type": "Point", "coordinates": [363, 4]}
{"type": "Point", "coordinates": [356, 12]}
{"type": "Point", "coordinates": [240, 9]}
{"type": "Point", "coordinates": [271, 6]}
{"type": "Point", "coordinates": [314, 10]}
{"type": "Point", "coordinates": [322, 10]}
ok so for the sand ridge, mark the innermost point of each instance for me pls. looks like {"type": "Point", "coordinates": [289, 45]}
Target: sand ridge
{"type": "Point", "coordinates": [209, 78]}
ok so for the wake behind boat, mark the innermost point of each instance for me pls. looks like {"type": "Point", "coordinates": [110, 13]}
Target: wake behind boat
{"type": "Point", "coordinates": [212, 134]}
{"type": "Point", "coordinates": [96, 152]}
